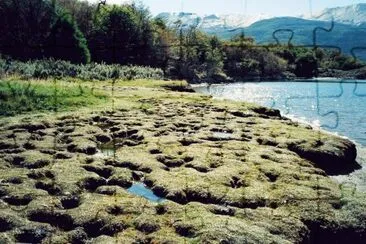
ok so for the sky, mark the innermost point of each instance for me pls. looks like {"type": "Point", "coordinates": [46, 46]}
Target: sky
{"type": "Point", "coordinates": [250, 7]}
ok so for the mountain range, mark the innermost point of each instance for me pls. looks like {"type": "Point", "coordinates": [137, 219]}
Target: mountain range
{"type": "Point", "coordinates": [348, 32]}
{"type": "Point", "coordinates": [350, 15]}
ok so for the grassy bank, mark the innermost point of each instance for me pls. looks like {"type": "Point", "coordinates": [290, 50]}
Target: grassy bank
{"type": "Point", "coordinates": [23, 96]}
{"type": "Point", "coordinates": [230, 172]}
{"type": "Point", "coordinates": [18, 97]}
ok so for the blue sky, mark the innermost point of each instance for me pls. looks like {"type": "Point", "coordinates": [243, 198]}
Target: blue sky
{"type": "Point", "coordinates": [251, 7]}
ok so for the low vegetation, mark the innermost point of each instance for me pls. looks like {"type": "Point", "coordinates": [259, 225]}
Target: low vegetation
{"type": "Point", "coordinates": [43, 69]}
{"type": "Point", "coordinates": [17, 97]}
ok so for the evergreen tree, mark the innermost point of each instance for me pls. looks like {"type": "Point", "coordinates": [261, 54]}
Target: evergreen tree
{"type": "Point", "coordinates": [123, 34]}
{"type": "Point", "coordinates": [66, 42]}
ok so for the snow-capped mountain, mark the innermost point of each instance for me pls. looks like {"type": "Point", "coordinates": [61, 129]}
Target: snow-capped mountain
{"type": "Point", "coordinates": [185, 19]}
{"type": "Point", "coordinates": [350, 15]}
{"type": "Point", "coordinates": [211, 22]}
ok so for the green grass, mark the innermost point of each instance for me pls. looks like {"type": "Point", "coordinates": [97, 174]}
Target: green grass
{"type": "Point", "coordinates": [152, 83]}
{"type": "Point", "coordinates": [17, 97]}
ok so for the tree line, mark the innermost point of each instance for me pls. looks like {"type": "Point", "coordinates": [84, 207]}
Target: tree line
{"type": "Point", "coordinates": [127, 34]}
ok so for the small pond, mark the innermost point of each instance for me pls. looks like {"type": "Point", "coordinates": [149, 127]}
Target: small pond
{"type": "Point", "coordinates": [141, 190]}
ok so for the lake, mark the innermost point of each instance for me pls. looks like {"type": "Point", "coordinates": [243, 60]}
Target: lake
{"type": "Point", "coordinates": [338, 106]}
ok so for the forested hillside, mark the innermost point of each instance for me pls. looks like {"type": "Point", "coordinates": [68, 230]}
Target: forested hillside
{"type": "Point", "coordinates": [81, 32]}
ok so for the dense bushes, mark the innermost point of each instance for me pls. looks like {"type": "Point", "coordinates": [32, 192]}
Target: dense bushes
{"type": "Point", "coordinates": [306, 66]}
{"type": "Point", "coordinates": [253, 62]}
{"type": "Point", "coordinates": [307, 62]}
{"type": "Point", "coordinates": [59, 69]}
{"type": "Point", "coordinates": [195, 56]}
{"type": "Point", "coordinates": [342, 62]}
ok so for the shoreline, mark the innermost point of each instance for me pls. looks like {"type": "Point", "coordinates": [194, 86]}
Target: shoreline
{"type": "Point", "coordinates": [289, 116]}
{"type": "Point", "coordinates": [314, 79]}
{"type": "Point", "coordinates": [353, 74]}
{"type": "Point", "coordinates": [358, 177]}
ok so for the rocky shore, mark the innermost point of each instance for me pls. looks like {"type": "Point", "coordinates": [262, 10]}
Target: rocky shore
{"type": "Point", "coordinates": [359, 74]}
{"type": "Point", "coordinates": [229, 173]}
{"type": "Point", "coordinates": [355, 74]}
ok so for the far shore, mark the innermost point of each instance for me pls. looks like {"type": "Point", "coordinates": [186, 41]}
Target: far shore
{"type": "Point", "coordinates": [314, 79]}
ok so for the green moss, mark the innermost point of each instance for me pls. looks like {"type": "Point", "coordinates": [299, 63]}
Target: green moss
{"type": "Point", "coordinates": [250, 187]}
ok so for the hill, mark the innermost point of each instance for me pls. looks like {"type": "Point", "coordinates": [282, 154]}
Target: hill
{"type": "Point", "coordinates": [343, 36]}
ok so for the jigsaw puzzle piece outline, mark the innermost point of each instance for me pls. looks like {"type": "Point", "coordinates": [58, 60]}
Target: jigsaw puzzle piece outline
{"type": "Point", "coordinates": [356, 87]}
{"type": "Point", "coordinates": [292, 34]}
{"type": "Point", "coordinates": [332, 112]}
{"type": "Point", "coordinates": [317, 98]}
{"type": "Point", "coordinates": [328, 30]}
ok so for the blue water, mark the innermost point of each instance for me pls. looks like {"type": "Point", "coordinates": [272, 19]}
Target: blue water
{"type": "Point", "coordinates": [140, 189]}
{"type": "Point", "coordinates": [334, 105]}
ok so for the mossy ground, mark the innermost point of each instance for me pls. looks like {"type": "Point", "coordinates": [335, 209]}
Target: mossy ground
{"type": "Point", "coordinates": [230, 173]}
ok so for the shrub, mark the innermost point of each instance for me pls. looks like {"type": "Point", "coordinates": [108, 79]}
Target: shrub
{"type": "Point", "coordinates": [49, 68]}
{"type": "Point", "coordinates": [306, 66]}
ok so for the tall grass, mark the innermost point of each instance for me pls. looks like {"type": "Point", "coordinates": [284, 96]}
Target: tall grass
{"type": "Point", "coordinates": [48, 68]}
{"type": "Point", "coordinates": [18, 97]}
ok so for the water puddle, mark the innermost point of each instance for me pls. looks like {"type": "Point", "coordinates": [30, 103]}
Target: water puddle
{"type": "Point", "coordinates": [223, 135]}
{"type": "Point", "coordinates": [141, 190]}
{"type": "Point", "coordinates": [108, 152]}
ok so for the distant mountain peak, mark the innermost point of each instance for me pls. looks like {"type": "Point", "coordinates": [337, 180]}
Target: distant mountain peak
{"type": "Point", "coordinates": [182, 14]}
{"type": "Point", "coordinates": [351, 15]}
{"type": "Point", "coordinates": [212, 22]}
{"type": "Point", "coordinates": [212, 16]}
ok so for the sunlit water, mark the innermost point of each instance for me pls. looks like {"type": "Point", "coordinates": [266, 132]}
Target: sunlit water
{"type": "Point", "coordinates": [337, 106]}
